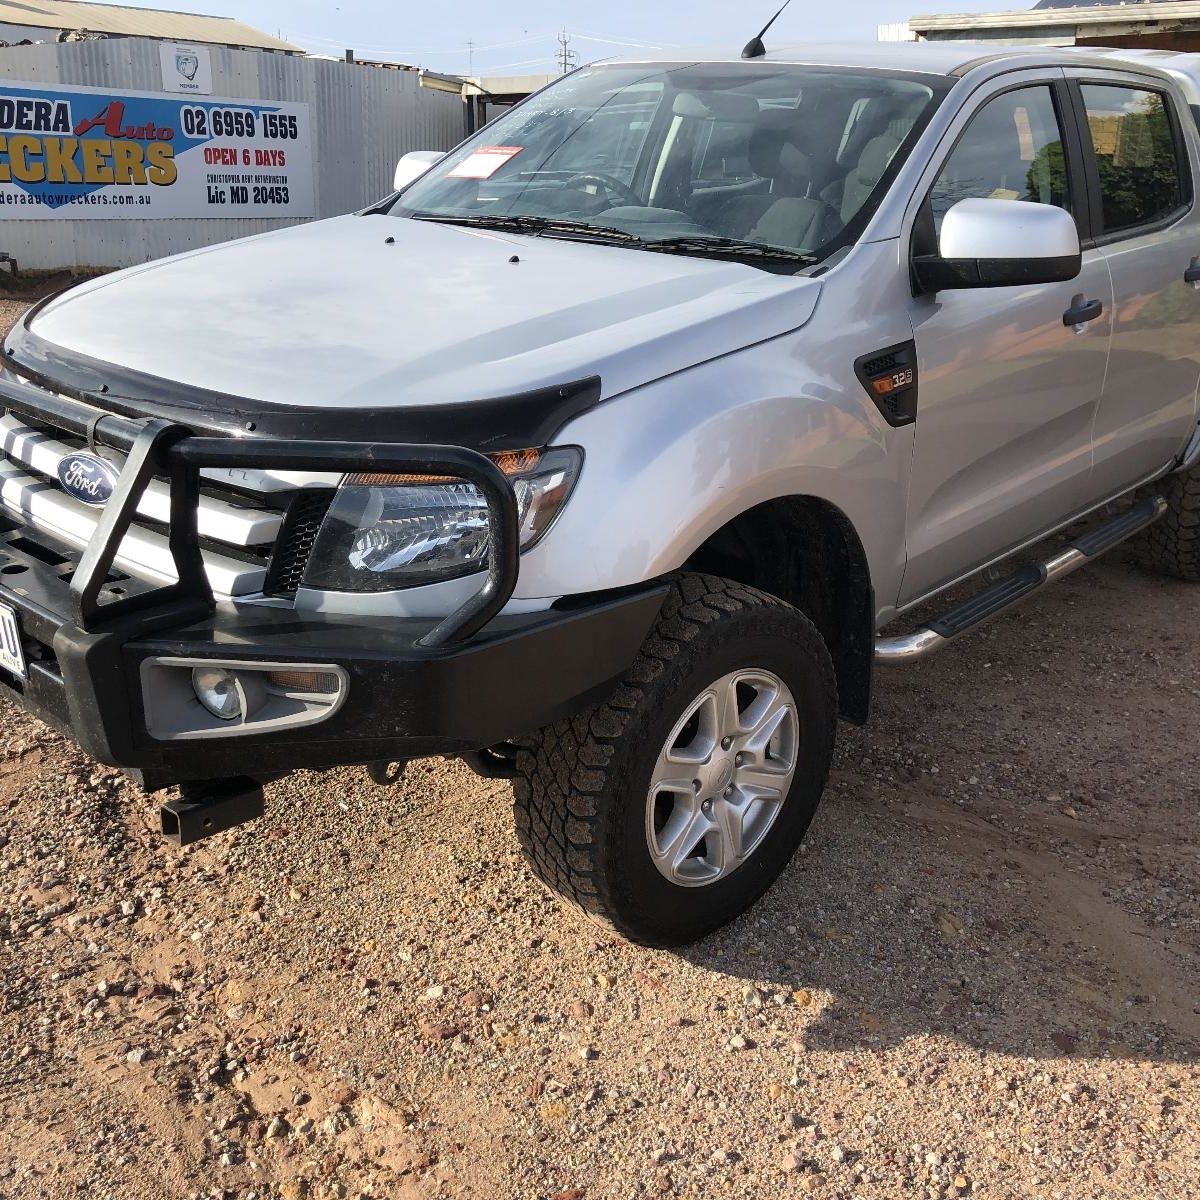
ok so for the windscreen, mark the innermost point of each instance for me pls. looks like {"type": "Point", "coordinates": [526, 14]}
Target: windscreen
{"type": "Point", "coordinates": [764, 154]}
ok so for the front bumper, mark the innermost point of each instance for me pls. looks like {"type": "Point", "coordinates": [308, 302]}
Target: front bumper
{"type": "Point", "coordinates": [403, 700]}
{"type": "Point", "coordinates": [415, 687]}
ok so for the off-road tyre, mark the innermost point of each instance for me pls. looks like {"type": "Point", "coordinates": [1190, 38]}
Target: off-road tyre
{"type": "Point", "coordinates": [1171, 546]}
{"type": "Point", "coordinates": [581, 787]}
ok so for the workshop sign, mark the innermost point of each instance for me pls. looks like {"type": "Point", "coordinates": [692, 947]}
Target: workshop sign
{"type": "Point", "coordinates": [93, 153]}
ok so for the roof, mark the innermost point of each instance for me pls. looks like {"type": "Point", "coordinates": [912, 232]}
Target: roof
{"type": "Point", "coordinates": [1184, 69]}
{"type": "Point", "coordinates": [930, 58]}
{"type": "Point", "coordinates": [942, 58]}
{"type": "Point", "coordinates": [1136, 13]}
{"type": "Point", "coordinates": [118, 20]}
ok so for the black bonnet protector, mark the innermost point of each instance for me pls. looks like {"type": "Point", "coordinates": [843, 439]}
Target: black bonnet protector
{"type": "Point", "coordinates": [528, 420]}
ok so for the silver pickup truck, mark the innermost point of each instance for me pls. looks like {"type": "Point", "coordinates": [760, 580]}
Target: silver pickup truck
{"type": "Point", "coordinates": [605, 451]}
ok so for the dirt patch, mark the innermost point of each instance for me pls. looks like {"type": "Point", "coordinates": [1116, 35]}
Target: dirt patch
{"type": "Point", "coordinates": [23, 288]}
{"type": "Point", "coordinates": [980, 978]}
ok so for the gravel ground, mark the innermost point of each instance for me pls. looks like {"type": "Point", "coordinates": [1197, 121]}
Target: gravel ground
{"type": "Point", "coordinates": [979, 979]}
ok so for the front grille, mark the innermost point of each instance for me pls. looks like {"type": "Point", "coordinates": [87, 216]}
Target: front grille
{"type": "Point", "coordinates": [296, 541]}
{"type": "Point", "coordinates": [247, 537]}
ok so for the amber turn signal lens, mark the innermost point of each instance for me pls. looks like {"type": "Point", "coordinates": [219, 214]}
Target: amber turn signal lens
{"type": "Point", "coordinates": [510, 462]}
{"type": "Point", "coordinates": [317, 682]}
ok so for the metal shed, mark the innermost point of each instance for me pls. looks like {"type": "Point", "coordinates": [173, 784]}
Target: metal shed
{"type": "Point", "coordinates": [361, 122]}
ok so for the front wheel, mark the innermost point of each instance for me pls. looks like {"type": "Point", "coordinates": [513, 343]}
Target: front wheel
{"type": "Point", "coordinates": [671, 807]}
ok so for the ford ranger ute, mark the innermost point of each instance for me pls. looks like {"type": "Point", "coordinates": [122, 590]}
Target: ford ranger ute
{"type": "Point", "coordinates": [613, 450]}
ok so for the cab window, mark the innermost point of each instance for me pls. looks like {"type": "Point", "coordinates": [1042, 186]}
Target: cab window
{"type": "Point", "coordinates": [1012, 150]}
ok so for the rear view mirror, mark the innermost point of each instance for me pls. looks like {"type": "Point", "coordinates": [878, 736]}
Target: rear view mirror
{"type": "Point", "coordinates": [413, 165]}
{"type": "Point", "coordinates": [1001, 243]}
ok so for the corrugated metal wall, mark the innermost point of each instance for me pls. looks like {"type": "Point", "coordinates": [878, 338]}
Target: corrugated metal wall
{"type": "Point", "coordinates": [363, 120]}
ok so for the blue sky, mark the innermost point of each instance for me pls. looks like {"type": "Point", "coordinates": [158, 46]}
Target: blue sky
{"type": "Point", "coordinates": [519, 36]}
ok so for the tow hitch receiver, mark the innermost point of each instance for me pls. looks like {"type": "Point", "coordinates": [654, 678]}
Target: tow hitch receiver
{"type": "Point", "coordinates": [211, 807]}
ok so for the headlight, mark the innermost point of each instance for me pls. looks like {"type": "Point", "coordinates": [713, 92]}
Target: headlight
{"type": "Point", "coordinates": [396, 531]}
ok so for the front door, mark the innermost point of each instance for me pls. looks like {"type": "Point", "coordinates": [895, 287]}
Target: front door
{"type": "Point", "coordinates": [1009, 390]}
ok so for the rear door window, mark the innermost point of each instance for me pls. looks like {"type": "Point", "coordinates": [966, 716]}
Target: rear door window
{"type": "Point", "coordinates": [724, 154]}
{"type": "Point", "coordinates": [1139, 160]}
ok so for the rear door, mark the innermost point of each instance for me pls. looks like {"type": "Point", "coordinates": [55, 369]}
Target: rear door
{"type": "Point", "coordinates": [1140, 156]}
{"type": "Point", "coordinates": [1008, 391]}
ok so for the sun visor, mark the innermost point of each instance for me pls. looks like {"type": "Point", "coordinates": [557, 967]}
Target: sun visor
{"type": "Point", "coordinates": [715, 106]}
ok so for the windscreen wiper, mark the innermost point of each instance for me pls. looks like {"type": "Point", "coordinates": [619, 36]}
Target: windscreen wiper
{"type": "Point", "coordinates": [580, 230]}
{"type": "Point", "coordinates": [728, 247]}
{"type": "Point", "coordinates": [532, 224]}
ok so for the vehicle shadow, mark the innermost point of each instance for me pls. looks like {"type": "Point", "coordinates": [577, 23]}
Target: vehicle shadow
{"type": "Point", "coordinates": [1007, 855]}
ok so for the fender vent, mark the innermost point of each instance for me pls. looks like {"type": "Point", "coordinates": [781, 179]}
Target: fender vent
{"type": "Point", "coordinates": [890, 377]}
{"type": "Point", "coordinates": [296, 540]}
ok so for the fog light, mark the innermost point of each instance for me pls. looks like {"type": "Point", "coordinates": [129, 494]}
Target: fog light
{"type": "Point", "coordinates": [218, 691]}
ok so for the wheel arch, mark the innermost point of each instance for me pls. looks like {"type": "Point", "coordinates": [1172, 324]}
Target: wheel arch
{"type": "Point", "coordinates": [806, 551]}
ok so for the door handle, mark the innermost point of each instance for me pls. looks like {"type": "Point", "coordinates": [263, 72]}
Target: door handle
{"type": "Point", "coordinates": [1192, 274]}
{"type": "Point", "coordinates": [1082, 311]}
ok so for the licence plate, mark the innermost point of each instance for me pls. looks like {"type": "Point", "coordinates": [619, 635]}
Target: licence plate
{"type": "Point", "coordinates": [12, 657]}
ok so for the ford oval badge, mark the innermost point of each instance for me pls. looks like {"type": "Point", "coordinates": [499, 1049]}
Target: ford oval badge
{"type": "Point", "coordinates": [88, 478]}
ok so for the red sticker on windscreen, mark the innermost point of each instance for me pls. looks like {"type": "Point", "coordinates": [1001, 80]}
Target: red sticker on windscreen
{"type": "Point", "coordinates": [484, 162]}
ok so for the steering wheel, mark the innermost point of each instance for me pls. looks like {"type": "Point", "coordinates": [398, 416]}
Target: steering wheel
{"type": "Point", "coordinates": [613, 186]}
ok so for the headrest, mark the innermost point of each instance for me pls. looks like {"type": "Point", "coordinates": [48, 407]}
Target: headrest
{"type": "Point", "coordinates": [715, 106]}
{"type": "Point", "coordinates": [773, 151]}
{"type": "Point", "coordinates": [875, 159]}
{"type": "Point", "coordinates": [881, 116]}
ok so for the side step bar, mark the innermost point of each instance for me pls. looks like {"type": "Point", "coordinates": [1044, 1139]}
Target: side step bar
{"type": "Point", "coordinates": [1018, 586]}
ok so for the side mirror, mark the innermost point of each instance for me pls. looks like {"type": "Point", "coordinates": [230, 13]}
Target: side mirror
{"type": "Point", "coordinates": [1001, 243]}
{"type": "Point", "coordinates": [413, 165]}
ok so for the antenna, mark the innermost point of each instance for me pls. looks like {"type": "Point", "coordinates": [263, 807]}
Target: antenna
{"type": "Point", "coordinates": [754, 47]}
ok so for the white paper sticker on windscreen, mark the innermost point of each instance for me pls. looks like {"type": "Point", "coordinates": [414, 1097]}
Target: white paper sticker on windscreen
{"type": "Point", "coordinates": [484, 162]}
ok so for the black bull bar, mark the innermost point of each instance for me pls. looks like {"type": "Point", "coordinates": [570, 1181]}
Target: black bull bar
{"type": "Point", "coordinates": [157, 447]}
